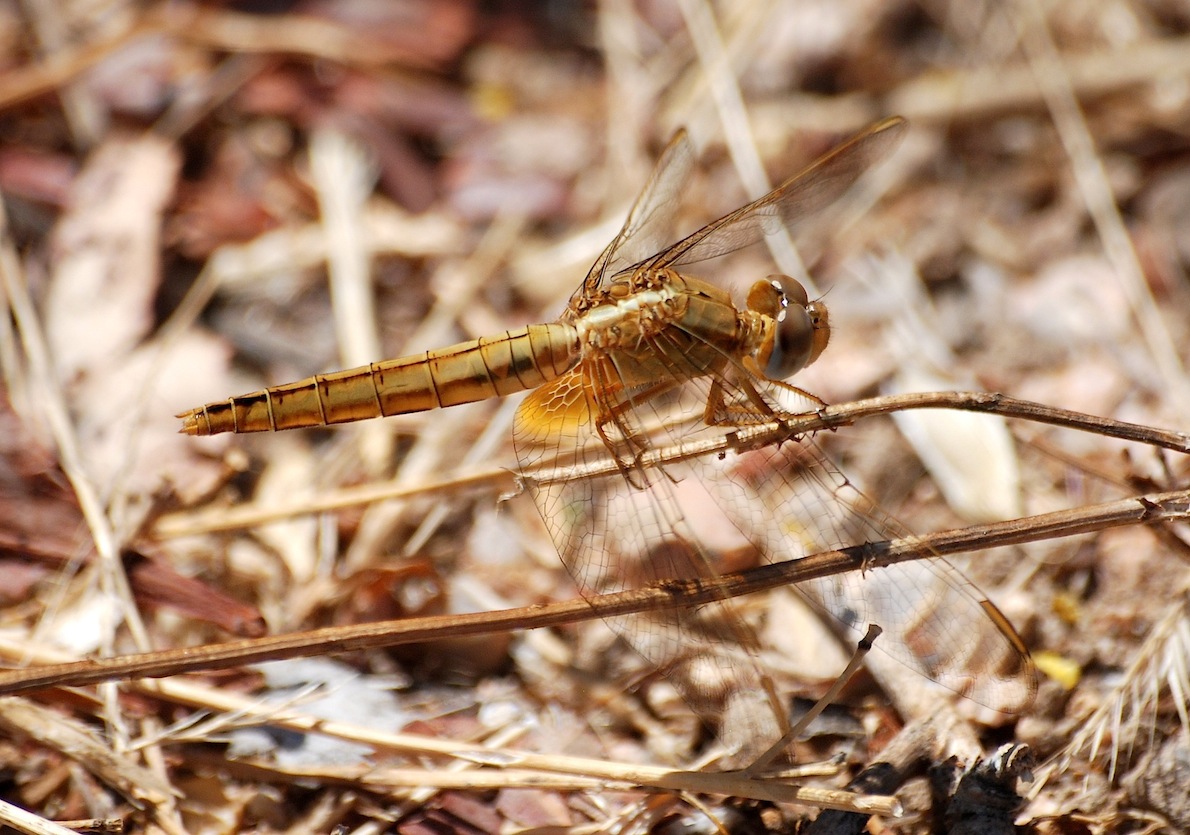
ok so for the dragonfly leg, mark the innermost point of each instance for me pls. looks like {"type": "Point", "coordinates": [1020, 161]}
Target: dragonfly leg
{"type": "Point", "coordinates": [629, 445]}
{"type": "Point", "coordinates": [628, 469]}
{"type": "Point", "coordinates": [719, 412]}
{"type": "Point", "coordinates": [714, 404]}
{"type": "Point", "coordinates": [819, 403]}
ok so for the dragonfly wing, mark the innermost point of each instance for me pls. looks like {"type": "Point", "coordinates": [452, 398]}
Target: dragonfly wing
{"type": "Point", "coordinates": [649, 226]}
{"type": "Point", "coordinates": [796, 200]}
{"type": "Point", "coordinates": [618, 528]}
{"type": "Point", "coordinates": [794, 501]}
{"type": "Point", "coordinates": [789, 501]}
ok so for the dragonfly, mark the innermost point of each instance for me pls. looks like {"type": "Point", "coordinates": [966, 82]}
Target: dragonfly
{"type": "Point", "coordinates": [647, 356]}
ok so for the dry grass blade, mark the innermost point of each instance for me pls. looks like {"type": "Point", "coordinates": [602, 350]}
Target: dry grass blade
{"type": "Point", "coordinates": [22, 718]}
{"type": "Point", "coordinates": [344, 178]}
{"type": "Point", "coordinates": [24, 821]}
{"type": "Point", "coordinates": [733, 117]}
{"type": "Point", "coordinates": [52, 402]}
{"type": "Point", "coordinates": [246, 709]}
{"type": "Point", "coordinates": [1101, 205]}
{"type": "Point", "coordinates": [1125, 723]}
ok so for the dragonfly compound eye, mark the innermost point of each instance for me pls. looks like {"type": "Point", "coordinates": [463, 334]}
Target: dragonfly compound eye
{"type": "Point", "coordinates": [801, 330]}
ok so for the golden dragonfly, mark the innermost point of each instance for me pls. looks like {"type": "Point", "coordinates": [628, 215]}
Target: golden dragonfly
{"type": "Point", "coordinates": [644, 357]}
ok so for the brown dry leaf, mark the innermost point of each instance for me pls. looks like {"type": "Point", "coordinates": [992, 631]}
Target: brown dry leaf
{"type": "Point", "coordinates": [98, 311]}
{"type": "Point", "coordinates": [43, 540]}
{"type": "Point", "coordinates": [157, 584]}
{"type": "Point", "coordinates": [237, 197]}
{"type": "Point", "coordinates": [214, 805]}
{"type": "Point", "coordinates": [33, 174]}
{"type": "Point", "coordinates": [537, 809]}
{"type": "Point", "coordinates": [127, 416]}
{"type": "Point", "coordinates": [429, 31]}
{"type": "Point", "coordinates": [107, 256]}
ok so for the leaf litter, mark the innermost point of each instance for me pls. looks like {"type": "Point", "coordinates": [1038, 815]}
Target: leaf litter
{"type": "Point", "coordinates": [472, 112]}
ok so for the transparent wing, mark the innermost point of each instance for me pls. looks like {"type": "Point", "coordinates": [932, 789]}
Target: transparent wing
{"type": "Point", "coordinates": [617, 532]}
{"type": "Point", "coordinates": [649, 226]}
{"type": "Point", "coordinates": [796, 502]}
{"type": "Point", "coordinates": [626, 528]}
{"type": "Point", "coordinates": [793, 202]}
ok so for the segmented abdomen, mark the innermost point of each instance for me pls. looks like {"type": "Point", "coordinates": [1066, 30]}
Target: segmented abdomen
{"type": "Point", "coordinates": [476, 370]}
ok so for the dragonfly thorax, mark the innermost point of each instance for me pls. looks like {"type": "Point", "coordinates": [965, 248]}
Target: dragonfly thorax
{"type": "Point", "coordinates": [642, 316]}
{"type": "Point", "coordinates": [632, 309]}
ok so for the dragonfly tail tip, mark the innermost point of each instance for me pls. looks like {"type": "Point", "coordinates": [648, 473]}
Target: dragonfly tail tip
{"type": "Point", "coordinates": [190, 423]}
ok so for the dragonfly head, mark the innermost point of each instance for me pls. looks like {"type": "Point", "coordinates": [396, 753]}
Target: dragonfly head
{"type": "Point", "coordinates": [801, 328]}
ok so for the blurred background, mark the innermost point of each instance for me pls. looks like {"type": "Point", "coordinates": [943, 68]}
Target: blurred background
{"type": "Point", "coordinates": [201, 199]}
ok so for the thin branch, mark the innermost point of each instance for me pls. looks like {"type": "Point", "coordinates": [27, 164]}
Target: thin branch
{"type": "Point", "coordinates": [670, 594]}
{"type": "Point", "coordinates": [193, 523]}
{"type": "Point", "coordinates": [761, 763]}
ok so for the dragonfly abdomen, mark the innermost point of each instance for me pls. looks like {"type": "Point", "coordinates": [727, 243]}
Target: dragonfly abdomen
{"type": "Point", "coordinates": [476, 370]}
